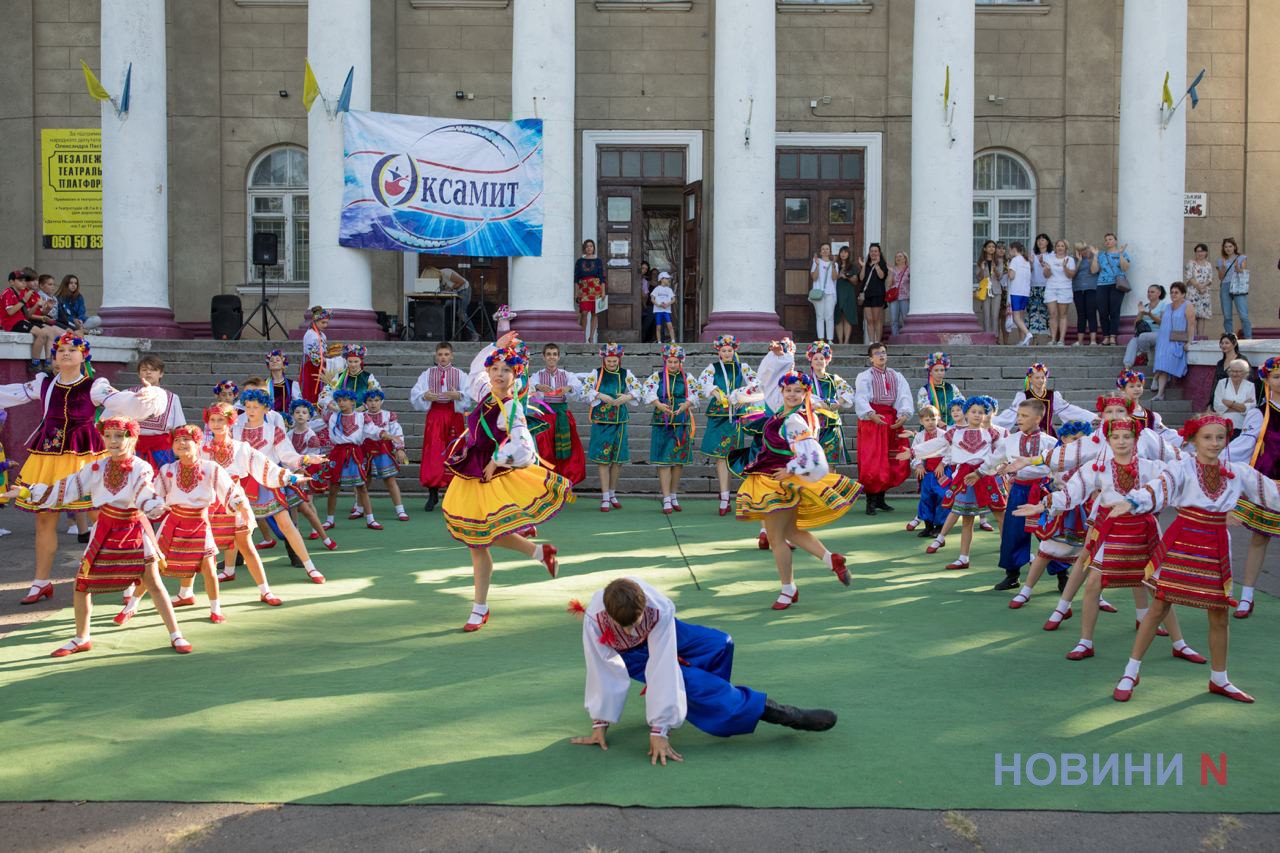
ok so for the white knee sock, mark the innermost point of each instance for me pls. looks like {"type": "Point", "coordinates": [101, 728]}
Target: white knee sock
{"type": "Point", "coordinates": [186, 591]}
{"type": "Point", "coordinates": [1085, 644]}
{"type": "Point", "coordinates": [1025, 592]}
{"type": "Point", "coordinates": [1246, 594]}
{"type": "Point", "coordinates": [1140, 612]}
{"type": "Point", "coordinates": [215, 606]}
{"type": "Point", "coordinates": [826, 558]}
{"type": "Point", "coordinates": [132, 606]}
{"type": "Point", "coordinates": [264, 588]}
{"type": "Point", "coordinates": [1060, 611]}
{"type": "Point", "coordinates": [1132, 667]}
{"type": "Point", "coordinates": [538, 553]}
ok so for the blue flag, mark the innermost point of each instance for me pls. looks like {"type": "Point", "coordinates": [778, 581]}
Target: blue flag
{"type": "Point", "coordinates": [124, 96]}
{"type": "Point", "coordinates": [1191, 90]}
{"type": "Point", "coordinates": [344, 100]}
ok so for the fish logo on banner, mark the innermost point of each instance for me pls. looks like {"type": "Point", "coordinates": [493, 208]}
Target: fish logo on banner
{"type": "Point", "coordinates": [444, 186]}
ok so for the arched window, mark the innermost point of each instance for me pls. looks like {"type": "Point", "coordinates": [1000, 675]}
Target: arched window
{"type": "Point", "coordinates": [278, 203]}
{"type": "Point", "coordinates": [1004, 199]}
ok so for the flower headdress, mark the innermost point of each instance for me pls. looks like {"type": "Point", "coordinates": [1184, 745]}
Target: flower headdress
{"type": "Point", "coordinates": [792, 377]}
{"type": "Point", "coordinates": [227, 411]}
{"type": "Point", "coordinates": [346, 394]}
{"type": "Point", "coordinates": [373, 392]}
{"type": "Point", "coordinates": [71, 339]}
{"type": "Point", "coordinates": [725, 341]}
{"type": "Point", "coordinates": [1038, 367]}
{"type": "Point", "coordinates": [1075, 428]}
{"type": "Point", "coordinates": [318, 313]}
{"type": "Point", "coordinates": [1268, 367]}
{"type": "Point", "coordinates": [1127, 376]}
{"type": "Point", "coordinates": [303, 404]}
{"type": "Point", "coordinates": [1105, 400]}
{"type": "Point", "coordinates": [988, 403]}
{"type": "Point", "coordinates": [276, 353]}
{"type": "Point", "coordinates": [936, 358]}
{"type": "Point", "coordinates": [226, 385]}
{"type": "Point", "coordinates": [120, 422]}
{"type": "Point", "coordinates": [357, 350]}
{"type": "Point", "coordinates": [819, 347]}
{"type": "Point", "coordinates": [612, 349]}
{"type": "Point", "coordinates": [1193, 426]}
{"type": "Point", "coordinates": [190, 431]}
{"type": "Point", "coordinates": [255, 395]}
{"type": "Point", "coordinates": [673, 351]}
{"type": "Point", "coordinates": [1125, 424]}
{"type": "Point", "coordinates": [513, 356]}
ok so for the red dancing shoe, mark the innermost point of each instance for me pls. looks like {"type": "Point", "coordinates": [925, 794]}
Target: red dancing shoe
{"type": "Point", "coordinates": [913, 524]}
{"type": "Point", "coordinates": [476, 626]}
{"type": "Point", "coordinates": [614, 502]}
{"type": "Point", "coordinates": [265, 544]}
{"type": "Point", "coordinates": [677, 507]}
{"type": "Point", "coordinates": [956, 564]}
{"type": "Point", "coordinates": [1051, 625]}
{"type": "Point", "coordinates": [1080, 653]}
{"type": "Point", "coordinates": [179, 601]}
{"type": "Point", "coordinates": [1107, 607]}
{"type": "Point", "coordinates": [45, 591]}
{"type": "Point", "coordinates": [1189, 654]}
{"type": "Point", "coordinates": [724, 508]}
{"type": "Point", "coordinates": [1161, 631]}
{"type": "Point", "coordinates": [355, 513]}
{"type": "Point", "coordinates": [124, 597]}
{"type": "Point", "coordinates": [185, 649]}
{"type": "Point", "coordinates": [786, 600]}
{"type": "Point", "coordinates": [838, 566]}
{"type": "Point", "coordinates": [123, 617]}
{"type": "Point", "coordinates": [1244, 611]}
{"type": "Point", "coordinates": [373, 525]}
{"type": "Point", "coordinates": [549, 559]}
{"type": "Point", "coordinates": [932, 547]}
{"type": "Point", "coordinates": [270, 598]}
{"type": "Point", "coordinates": [217, 618]}
{"type": "Point", "coordinates": [315, 576]}
{"type": "Point", "coordinates": [1121, 694]}
{"type": "Point", "coordinates": [1233, 693]}
{"type": "Point", "coordinates": [313, 535]}
{"type": "Point", "coordinates": [402, 516]}
{"type": "Point", "coordinates": [328, 525]}
{"type": "Point", "coordinates": [986, 526]}
{"type": "Point", "coordinates": [762, 541]}
{"type": "Point", "coordinates": [76, 648]}
{"type": "Point", "coordinates": [605, 506]}
{"type": "Point", "coordinates": [225, 576]}
{"type": "Point", "coordinates": [330, 544]}
{"type": "Point", "coordinates": [666, 509]}
{"type": "Point", "coordinates": [1017, 601]}
{"type": "Point", "coordinates": [529, 532]}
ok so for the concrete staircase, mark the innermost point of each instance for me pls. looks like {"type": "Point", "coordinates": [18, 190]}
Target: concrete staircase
{"type": "Point", "coordinates": [1080, 373]}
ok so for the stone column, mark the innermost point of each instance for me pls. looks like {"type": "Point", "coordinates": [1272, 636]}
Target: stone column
{"type": "Point", "coordinates": [743, 234]}
{"type": "Point", "coordinates": [338, 38]}
{"type": "Point", "coordinates": [135, 174]}
{"type": "Point", "coordinates": [542, 86]}
{"type": "Point", "coordinates": [942, 176]}
{"type": "Point", "coordinates": [1153, 159]}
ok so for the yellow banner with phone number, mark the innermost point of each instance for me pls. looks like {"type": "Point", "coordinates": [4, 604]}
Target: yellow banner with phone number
{"type": "Point", "coordinates": [71, 187]}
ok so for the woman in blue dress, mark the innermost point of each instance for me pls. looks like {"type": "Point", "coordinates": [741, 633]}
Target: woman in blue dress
{"type": "Point", "coordinates": [1171, 345]}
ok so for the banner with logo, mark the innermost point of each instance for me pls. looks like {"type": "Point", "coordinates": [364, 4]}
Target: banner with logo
{"type": "Point", "coordinates": [71, 187]}
{"type": "Point", "coordinates": [443, 186]}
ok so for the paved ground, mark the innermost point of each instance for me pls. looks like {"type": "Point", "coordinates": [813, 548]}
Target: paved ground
{"type": "Point", "coordinates": [236, 827]}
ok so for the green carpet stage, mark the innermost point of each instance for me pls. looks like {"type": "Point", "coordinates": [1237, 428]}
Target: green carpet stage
{"type": "Point", "coordinates": [364, 690]}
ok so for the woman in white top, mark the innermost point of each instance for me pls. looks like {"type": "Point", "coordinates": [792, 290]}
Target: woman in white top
{"type": "Point", "coordinates": [1198, 276]}
{"type": "Point", "coordinates": [1235, 396]}
{"type": "Point", "coordinates": [822, 275]}
{"type": "Point", "coordinates": [1019, 272]}
{"type": "Point", "coordinates": [1058, 269]}
{"type": "Point", "coordinates": [1037, 310]}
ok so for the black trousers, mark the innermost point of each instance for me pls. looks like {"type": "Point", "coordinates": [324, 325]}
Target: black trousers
{"type": "Point", "coordinates": [1109, 300]}
{"type": "Point", "coordinates": [1086, 310]}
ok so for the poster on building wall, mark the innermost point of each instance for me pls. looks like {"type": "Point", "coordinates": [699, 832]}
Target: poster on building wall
{"type": "Point", "coordinates": [71, 187]}
{"type": "Point", "coordinates": [445, 186]}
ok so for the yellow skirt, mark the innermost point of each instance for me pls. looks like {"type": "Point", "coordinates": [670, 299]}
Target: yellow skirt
{"type": "Point", "coordinates": [477, 512]}
{"type": "Point", "coordinates": [48, 469]}
{"type": "Point", "coordinates": [817, 504]}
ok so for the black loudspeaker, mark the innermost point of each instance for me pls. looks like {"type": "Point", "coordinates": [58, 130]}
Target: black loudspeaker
{"type": "Point", "coordinates": [430, 320]}
{"type": "Point", "coordinates": [226, 316]}
{"type": "Point", "coordinates": [266, 248]}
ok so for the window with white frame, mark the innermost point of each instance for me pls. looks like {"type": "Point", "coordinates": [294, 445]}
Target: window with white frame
{"type": "Point", "coordinates": [278, 203]}
{"type": "Point", "coordinates": [1004, 199]}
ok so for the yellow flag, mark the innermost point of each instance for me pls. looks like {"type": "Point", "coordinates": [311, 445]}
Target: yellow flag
{"type": "Point", "coordinates": [95, 88]}
{"type": "Point", "coordinates": [310, 88]}
{"type": "Point", "coordinates": [946, 90]}
{"type": "Point", "coordinates": [1167, 97]}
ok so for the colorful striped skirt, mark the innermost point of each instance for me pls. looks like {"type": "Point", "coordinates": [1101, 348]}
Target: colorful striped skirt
{"type": "Point", "coordinates": [347, 466]}
{"type": "Point", "coordinates": [382, 459]}
{"type": "Point", "coordinates": [155, 450]}
{"type": "Point", "coordinates": [816, 504]}
{"type": "Point", "coordinates": [476, 512]}
{"type": "Point", "coordinates": [1121, 548]}
{"type": "Point", "coordinates": [987, 493]}
{"type": "Point", "coordinates": [186, 538]}
{"type": "Point", "coordinates": [117, 554]}
{"type": "Point", "coordinates": [1257, 518]}
{"type": "Point", "coordinates": [1192, 564]}
{"type": "Point", "coordinates": [224, 525]}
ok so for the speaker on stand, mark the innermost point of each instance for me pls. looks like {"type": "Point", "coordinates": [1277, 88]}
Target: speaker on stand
{"type": "Point", "coordinates": [266, 248]}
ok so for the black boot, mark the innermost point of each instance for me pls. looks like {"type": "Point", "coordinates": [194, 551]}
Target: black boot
{"type": "Point", "coordinates": [239, 559]}
{"type": "Point", "coordinates": [433, 498]}
{"type": "Point", "coordinates": [930, 531]}
{"type": "Point", "coordinates": [1062, 582]}
{"type": "Point", "coordinates": [805, 719]}
{"type": "Point", "coordinates": [294, 559]}
{"type": "Point", "coordinates": [1010, 582]}
{"type": "Point", "coordinates": [871, 503]}
{"type": "Point", "coordinates": [881, 505]}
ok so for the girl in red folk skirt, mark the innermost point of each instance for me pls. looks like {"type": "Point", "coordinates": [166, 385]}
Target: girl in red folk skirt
{"type": "Point", "coordinates": [439, 393]}
{"type": "Point", "coordinates": [1192, 564]}
{"type": "Point", "coordinates": [789, 485]}
{"type": "Point", "coordinates": [123, 549]}
{"type": "Point", "coordinates": [1118, 547]}
{"type": "Point", "coordinates": [188, 486]}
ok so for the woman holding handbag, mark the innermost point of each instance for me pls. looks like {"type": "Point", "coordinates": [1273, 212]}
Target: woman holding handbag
{"type": "Point", "coordinates": [822, 292]}
{"type": "Point", "coordinates": [1177, 329]}
{"type": "Point", "coordinates": [986, 286]}
{"type": "Point", "coordinates": [588, 291]}
{"type": "Point", "coordinates": [1233, 273]}
{"type": "Point", "coordinates": [872, 292]}
{"type": "Point", "coordinates": [1112, 267]}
